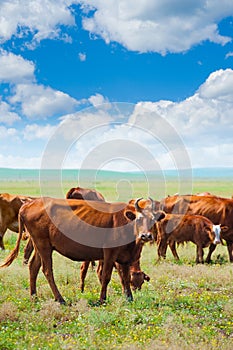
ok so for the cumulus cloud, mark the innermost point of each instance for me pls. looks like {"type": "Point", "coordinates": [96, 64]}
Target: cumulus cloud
{"type": "Point", "coordinates": [7, 116]}
{"type": "Point", "coordinates": [157, 26]}
{"type": "Point", "coordinates": [7, 132]}
{"type": "Point", "coordinates": [14, 68]}
{"type": "Point", "coordinates": [38, 101]}
{"type": "Point", "coordinates": [42, 18]}
{"type": "Point", "coordinates": [35, 131]}
{"type": "Point", "coordinates": [203, 121]}
{"type": "Point", "coordinates": [154, 135]}
{"type": "Point", "coordinates": [97, 100]}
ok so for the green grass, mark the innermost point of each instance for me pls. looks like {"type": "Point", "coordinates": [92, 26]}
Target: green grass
{"type": "Point", "coordinates": [184, 306]}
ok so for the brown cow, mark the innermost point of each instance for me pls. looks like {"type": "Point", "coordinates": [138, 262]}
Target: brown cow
{"type": "Point", "coordinates": [82, 230]}
{"type": "Point", "coordinates": [218, 209]}
{"type": "Point", "coordinates": [84, 193]}
{"type": "Point", "coordinates": [175, 228]}
{"type": "Point", "coordinates": [9, 209]}
{"type": "Point", "coordinates": [137, 277]}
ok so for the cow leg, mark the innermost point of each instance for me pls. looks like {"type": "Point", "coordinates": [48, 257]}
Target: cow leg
{"type": "Point", "coordinates": [100, 270]}
{"type": "Point", "coordinates": [172, 245]}
{"type": "Point", "coordinates": [199, 255]}
{"type": "Point", "coordinates": [230, 251]}
{"type": "Point", "coordinates": [34, 267]}
{"type": "Point", "coordinates": [2, 233]}
{"type": "Point", "coordinates": [47, 268]}
{"type": "Point", "coordinates": [125, 280]}
{"type": "Point", "coordinates": [162, 248]}
{"type": "Point", "coordinates": [211, 250]}
{"type": "Point", "coordinates": [27, 251]}
{"type": "Point", "coordinates": [106, 276]}
{"type": "Point", "coordinates": [83, 273]}
{"type": "Point", "coordinates": [1, 242]}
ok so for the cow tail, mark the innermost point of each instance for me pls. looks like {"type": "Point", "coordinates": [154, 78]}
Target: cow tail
{"type": "Point", "coordinates": [13, 255]}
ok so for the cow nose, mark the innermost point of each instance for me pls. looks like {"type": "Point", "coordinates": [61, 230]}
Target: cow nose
{"type": "Point", "coordinates": [146, 236]}
{"type": "Point", "coordinates": [217, 241]}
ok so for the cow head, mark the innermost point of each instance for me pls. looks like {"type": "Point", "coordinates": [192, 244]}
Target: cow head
{"type": "Point", "coordinates": [217, 229]}
{"type": "Point", "coordinates": [137, 279]}
{"type": "Point", "coordinates": [145, 216]}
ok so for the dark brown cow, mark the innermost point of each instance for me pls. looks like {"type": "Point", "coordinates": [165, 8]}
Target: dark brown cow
{"type": "Point", "coordinates": [218, 209]}
{"type": "Point", "coordinates": [175, 228]}
{"type": "Point", "coordinates": [84, 193]}
{"type": "Point", "coordinates": [84, 231]}
{"type": "Point", "coordinates": [9, 209]}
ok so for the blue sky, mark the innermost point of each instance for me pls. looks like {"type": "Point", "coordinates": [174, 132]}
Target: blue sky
{"type": "Point", "coordinates": [170, 59]}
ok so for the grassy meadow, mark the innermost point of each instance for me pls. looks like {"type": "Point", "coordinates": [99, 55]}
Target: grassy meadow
{"type": "Point", "coordinates": [184, 306]}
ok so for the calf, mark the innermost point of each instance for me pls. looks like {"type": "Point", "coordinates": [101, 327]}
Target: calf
{"type": "Point", "coordinates": [175, 228]}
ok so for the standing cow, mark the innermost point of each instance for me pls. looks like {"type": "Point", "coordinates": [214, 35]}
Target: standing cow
{"type": "Point", "coordinates": [175, 228]}
{"type": "Point", "coordinates": [82, 231]}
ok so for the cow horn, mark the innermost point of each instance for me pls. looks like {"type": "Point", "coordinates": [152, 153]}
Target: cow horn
{"type": "Point", "coordinates": [152, 203]}
{"type": "Point", "coordinates": [137, 206]}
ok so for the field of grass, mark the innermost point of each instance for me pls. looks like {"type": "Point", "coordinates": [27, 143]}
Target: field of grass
{"type": "Point", "coordinates": [184, 306]}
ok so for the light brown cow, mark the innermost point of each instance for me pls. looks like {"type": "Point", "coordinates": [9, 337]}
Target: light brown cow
{"type": "Point", "coordinates": [218, 209]}
{"type": "Point", "coordinates": [9, 209]}
{"type": "Point", "coordinates": [175, 228]}
{"type": "Point", "coordinates": [82, 230]}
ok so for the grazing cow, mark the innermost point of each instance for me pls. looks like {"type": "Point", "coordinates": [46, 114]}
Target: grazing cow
{"type": "Point", "coordinates": [218, 209]}
{"type": "Point", "coordinates": [137, 276]}
{"type": "Point", "coordinates": [85, 231]}
{"type": "Point", "coordinates": [84, 193]}
{"type": "Point", "coordinates": [9, 209]}
{"type": "Point", "coordinates": [175, 228]}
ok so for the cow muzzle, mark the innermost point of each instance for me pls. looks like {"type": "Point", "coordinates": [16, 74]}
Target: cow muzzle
{"type": "Point", "coordinates": [146, 237]}
{"type": "Point", "coordinates": [217, 241]}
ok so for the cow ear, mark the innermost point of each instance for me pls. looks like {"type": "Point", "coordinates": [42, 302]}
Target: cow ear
{"type": "Point", "coordinates": [159, 215]}
{"type": "Point", "coordinates": [130, 215]}
{"type": "Point", "coordinates": [224, 228]}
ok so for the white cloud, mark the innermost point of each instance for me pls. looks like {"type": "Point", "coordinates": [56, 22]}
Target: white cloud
{"type": "Point", "coordinates": [97, 100]}
{"type": "Point", "coordinates": [82, 56]}
{"type": "Point", "coordinates": [14, 68]}
{"type": "Point", "coordinates": [40, 102]}
{"type": "Point", "coordinates": [229, 54]}
{"type": "Point", "coordinates": [41, 18]}
{"type": "Point", "coordinates": [158, 26]}
{"type": "Point", "coordinates": [218, 86]}
{"type": "Point", "coordinates": [7, 116]}
{"type": "Point", "coordinates": [12, 161]}
{"type": "Point", "coordinates": [158, 135]}
{"type": "Point", "coordinates": [7, 132]}
{"type": "Point", "coordinates": [35, 131]}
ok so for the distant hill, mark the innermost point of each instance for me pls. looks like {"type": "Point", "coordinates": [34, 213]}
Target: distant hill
{"type": "Point", "coordinates": [7, 174]}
